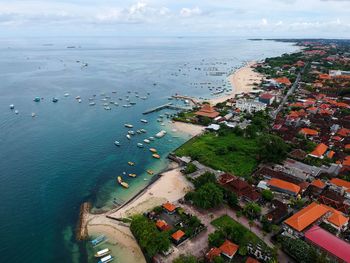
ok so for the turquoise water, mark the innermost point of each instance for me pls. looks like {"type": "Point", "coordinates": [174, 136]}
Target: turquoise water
{"type": "Point", "coordinates": [52, 163]}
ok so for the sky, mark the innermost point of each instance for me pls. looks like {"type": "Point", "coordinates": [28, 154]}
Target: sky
{"type": "Point", "coordinates": [240, 18]}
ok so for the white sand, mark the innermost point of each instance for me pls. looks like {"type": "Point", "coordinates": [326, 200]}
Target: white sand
{"type": "Point", "coordinates": [188, 128]}
{"type": "Point", "coordinates": [241, 81]}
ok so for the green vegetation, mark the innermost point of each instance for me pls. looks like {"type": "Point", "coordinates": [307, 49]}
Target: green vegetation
{"type": "Point", "coordinates": [267, 195]}
{"type": "Point", "coordinates": [187, 117]}
{"type": "Point", "coordinates": [185, 259]}
{"type": "Point", "coordinates": [204, 179]}
{"type": "Point", "coordinates": [252, 210]}
{"type": "Point", "coordinates": [272, 148]}
{"type": "Point", "coordinates": [230, 229]}
{"type": "Point", "coordinates": [149, 238]}
{"type": "Point", "coordinates": [206, 196]}
{"type": "Point", "coordinates": [190, 168]}
{"type": "Point", "coordinates": [229, 152]}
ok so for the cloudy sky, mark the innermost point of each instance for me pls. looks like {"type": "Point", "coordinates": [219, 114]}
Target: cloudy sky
{"type": "Point", "coordinates": [243, 18]}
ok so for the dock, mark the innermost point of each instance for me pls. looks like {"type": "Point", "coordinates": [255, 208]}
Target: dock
{"type": "Point", "coordinates": [169, 105]}
{"type": "Point", "coordinates": [81, 230]}
{"type": "Point", "coordinates": [181, 97]}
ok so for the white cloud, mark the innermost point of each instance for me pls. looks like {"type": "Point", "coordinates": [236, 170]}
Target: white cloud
{"type": "Point", "coordinates": [188, 12]}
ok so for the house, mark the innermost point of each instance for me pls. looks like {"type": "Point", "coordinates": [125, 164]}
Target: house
{"type": "Point", "coordinates": [337, 220]}
{"type": "Point", "coordinates": [334, 247]}
{"type": "Point", "coordinates": [308, 132]}
{"type": "Point", "coordinates": [340, 183]}
{"type": "Point", "coordinates": [250, 105]}
{"type": "Point", "coordinates": [207, 111]}
{"type": "Point", "coordinates": [318, 183]}
{"type": "Point", "coordinates": [178, 236]}
{"type": "Point", "coordinates": [212, 254]}
{"type": "Point", "coordinates": [333, 199]}
{"type": "Point", "coordinates": [169, 208]}
{"type": "Point", "coordinates": [283, 186]}
{"type": "Point", "coordinates": [283, 81]}
{"type": "Point", "coordinates": [228, 249]}
{"type": "Point", "coordinates": [319, 151]}
{"type": "Point", "coordinates": [251, 260]}
{"type": "Point", "coordinates": [162, 225]}
{"type": "Point", "coordinates": [279, 212]}
{"type": "Point", "coordinates": [267, 98]}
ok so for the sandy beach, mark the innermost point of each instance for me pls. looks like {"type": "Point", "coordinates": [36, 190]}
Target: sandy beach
{"type": "Point", "coordinates": [241, 81]}
{"type": "Point", "coordinates": [171, 186]}
{"type": "Point", "coordinates": [188, 128]}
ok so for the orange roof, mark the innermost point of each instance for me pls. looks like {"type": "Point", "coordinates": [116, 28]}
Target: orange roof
{"type": "Point", "coordinates": [228, 248]}
{"type": "Point", "coordinates": [161, 224]}
{"type": "Point", "coordinates": [306, 216]}
{"type": "Point", "coordinates": [330, 154]}
{"type": "Point", "coordinates": [207, 111]}
{"type": "Point", "coordinates": [312, 109]}
{"type": "Point", "coordinates": [340, 182]}
{"type": "Point", "coordinates": [284, 81]}
{"type": "Point", "coordinates": [320, 150]}
{"type": "Point", "coordinates": [318, 183]}
{"type": "Point", "coordinates": [347, 147]}
{"type": "Point", "coordinates": [342, 105]}
{"type": "Point", "coordinates": [178, 235]}
{"type": "Point", "coordinates": [337, 219]}
{"type": "Point", "coordinates": [308, 131]}
{"type": "Point", "coordinates": [251, 260]}
{"type": "Point", "coordinates": [213, 253]}
{"type": "Point", "coordinates": [284, 185]}
{"type": "Point", "coordinates": [297, 105]}
{"type": "Point", "coordinates": [346, 161]}
{"type": "Point", "coordinates": [344, 132]}
{"type": "Point", "coordinates": [324, 76]}
{"type": "Point", "coordinates": [169, 207]}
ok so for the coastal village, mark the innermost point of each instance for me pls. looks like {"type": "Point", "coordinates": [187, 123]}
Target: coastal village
{"type": "Point", "coordinates": [265, 177]}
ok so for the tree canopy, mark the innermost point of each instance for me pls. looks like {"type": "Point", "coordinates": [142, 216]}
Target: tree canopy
{"type": "Point", "coordinates": [272, 148]}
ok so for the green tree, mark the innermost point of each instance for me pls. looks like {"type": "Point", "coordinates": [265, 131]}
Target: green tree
{"type": "Point", "coordinates": [208, 196]}
{"type": "Point", "coordinates": [231, 198]}
{"type": "Point", "coordinates": [267, 195]}
{"type": "Point", "coordinates": [204, 179]}
{"type": "Point", "coordinates": [216, 238]}
{"type": "Point", "coordinates": [190, 168]}
{"type": "Point", "coordinates": [252, 210]}
{"type": "Point", "coordinates": [272, 148]}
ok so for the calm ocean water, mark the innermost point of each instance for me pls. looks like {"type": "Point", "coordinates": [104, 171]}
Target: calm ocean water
{"type": "Point", "coordinates": [50, 164]}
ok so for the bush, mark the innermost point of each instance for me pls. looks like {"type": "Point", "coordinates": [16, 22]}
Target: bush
{"type": "Point", "coordinates": [267, 195]}
{"type": "Point", "coordinates": [207, 196]}
{"type": "Point", "coordinates": [190, 168]}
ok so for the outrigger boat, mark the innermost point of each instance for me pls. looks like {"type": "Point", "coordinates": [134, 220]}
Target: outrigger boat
{"type": "Point", "coordinates": [120, 181]}
{"type": "Point", "coordinates": [150, 172]}
{"type": "Point", "coordinates": [127, 125]}
{"type": "Point", "coordinates": [132, 175]}
{"type": "Point", "coordinates": [140, 145]}
{"type": "Point", "coordinates": [131, 163]}
{"type": "Point", "coordinates": [154, 150]}
{"type": "Point", "coordinates": [144, 121]}
{"type": "Point", "coordinates": [157, 156]}
{"type": "Point", "coordinates": [98, 240]}
{"type": "Point", "coordinates": [106, 259]}
{"type": "Point", "coordinates": [116, 143]}
{"type": "Point", "coordinates": [102, 253]}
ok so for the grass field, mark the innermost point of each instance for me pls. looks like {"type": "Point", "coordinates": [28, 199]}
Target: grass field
{"type": "Point", "coordinates": [229, 153]}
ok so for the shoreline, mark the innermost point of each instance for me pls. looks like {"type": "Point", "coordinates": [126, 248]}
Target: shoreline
{"type": "Point", "coordinates": [242, 81]}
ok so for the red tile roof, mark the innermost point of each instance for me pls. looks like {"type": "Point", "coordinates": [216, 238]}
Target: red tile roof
{"type": "Point", "coordinates": [318, 183]}
{"type": "Point", "coordinates": [228, 248]}
{"type": "Point", "coordinates": [320, 150]}
{"type": "Point", "coordinates": [284, 185]}
{"type": "Point", "coordinates": [308, 131]}
{"type": "Point", "coordinates": [324, 76]}
{"type": "Point", "coordinates": [169, 207]}
{"type": "Point", "coordinates": [283, 80]}
{"type": "Point", "coordinates": [266, 96]}
{"type": "Point", "coordinates": [329, 242]}
{"type": "Point", "coordinates": [213, 253]}
{"type": "Point", "coordinates": [178, 235]}
{"type": "Point", "coordinates": [251, 260]}
{"type": "Point", "coordinates": [344, 132]}
{"type": "Point", "coordinates": [340, 183]}
{"type": "Point", "coordinates": [207, 111]}
{"type": "Point", "coordinates": [346, 161]}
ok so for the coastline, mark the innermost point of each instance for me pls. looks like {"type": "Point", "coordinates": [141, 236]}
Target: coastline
{"type": "Point", "coordinates": [242, 81]}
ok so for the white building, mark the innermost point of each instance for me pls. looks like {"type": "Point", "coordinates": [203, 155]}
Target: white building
{"type": "Point", "coordinates": [250, 105]}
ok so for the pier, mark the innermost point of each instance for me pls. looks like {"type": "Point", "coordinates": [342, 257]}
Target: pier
{"type": "Point", "coordinates": [181, 97]}
{"type": "Point", "coordinates": [166, 106]}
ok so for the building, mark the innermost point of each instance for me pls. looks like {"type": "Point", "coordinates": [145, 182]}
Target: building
{"type": "Point", "coordinates": [228, 249]}
{"type": "Point", "coordinates": [250, 105]}
{"type": "Point", "coordinates": [207, 111]}
{"type": "Point", "coordinates": [319, 151]}
{"type": "Point", "coordinates": [283, 81]}
{"type": "Point", "coordinates": [283, 186]}
{"type": "Point", "coordinates": [334, 247]}
{"type": "Point", "coordinates": [267, 98]}
{"type": "Point", "coordinates": [308, 132]}
{"type": "Point", "coordinates": [178, 236]}
{"type": "Point", "coordinates": [169, 208]}
{"type": "Point", "coordinates": [212, 254]}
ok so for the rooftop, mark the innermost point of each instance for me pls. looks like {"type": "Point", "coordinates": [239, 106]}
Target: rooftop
{"type": "Point", "coordinates": [319, 151]}
{"type": "Point", "coordinates": [340, 182]}
{"type": "Point", "coordinates": [284, 185]}
{"type": "Point", "coordinates": [228, 248]}
{"type": "Point", "coordinates": [178, 235]}
{"type": "Point", "coordinates": [169, 207]}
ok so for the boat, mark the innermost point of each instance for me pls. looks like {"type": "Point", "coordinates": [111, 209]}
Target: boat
{"type": "Point", "coordinates": [77, 97]}
{"type": "Point", "coordinates": [131, 163]}
{"type": "Point", "coordinates": [144, 121]}
{"type": "Point", "coordinates": [132, 175]}
{"type": "Point", "coordinates": [119, 179]}
{"type": "Point", "coordinates": [106, 259]}
{"type": "Point", "coordinates": [127, 125]}
{"type": "Point", "coordinates": [131, 132]}
{"type": "Point", "coordinates": [16, 112]}
{"type": "Point", "coordinates": [128, 136]}
{"type": "Point", "coordinates": [102, 253]}
{"type": "Point", "coordinates": [161, 134]}
{"type": "Point", "coordinates": [140, 145]}
{"type": "Point", "coordinates": [54, 100]}
{"type": "Point", "coordinates": [92, 103]}
{"type": "Point", "coordinates": [105, 104]}
{"type": "Point", "coordinates": [79, 100]}
{"type": "Point", "coordinates": [98, 240]}
{"type": "Point", "coordinates": [66, 94]}
{"type": "Point", "coordinates": [150, 172]}
{"type": "Point", "coordinates": [143, 130]}
{"type": "Point", "coordinates": [127, 106]}
{"type": "Point", "coordinates": [12, 106]}
{"type": "Point", "coordinates": [154, 150]}
{"type": "Point", "coordinates": [139, 131]}
{"type": "Point", "coordinates": [36, 99]}
{"type": "Point", "coordinates": [157, 156]}
{"type": "Point", "coordinates": [116, 143]}
{"type": "Point", "coordinates": [33, 114]}
{"type": "Point", "coordinates": [151, 138]}
{"type": "Point", "coordinates": [107, 108]}
{"type": "Point", "coordinates": [146, 141]}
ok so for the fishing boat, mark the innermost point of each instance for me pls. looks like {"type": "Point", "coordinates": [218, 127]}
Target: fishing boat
{"type": "Point", "coordinates": [128, 136]}
{"type": "Point", "coordinates": [66, 94]}
{"type": "Point", "coordinates": [143, 98]}
{"type": "Point", "coordinates": [131, 163]}
{"type": "Point", "coordinates": [116, 143]}
{"type": "Point", "coordinates": [153, 150]}
{"type": "Point", "coordinates": [107, 108]}
{"type": "Point", "coordinates": [98, 240]}
{"type": "Point", "coordinates": [157, 156]}
{"type": "Point", "coordinates": [144, 121]}
{"type": "Point", "coordinates": [151, 138]}
{"type": "Point", "coordinates": [140, 145]}
{"type": "Point", "coordinates": [146, 141]}
{"type": "Point", "coordinates": [127, 125]}
{"type": "Point", "coordinates": [102, 253]}
{"type": "Point", "coordinates": [131, 132]}
{"type": "Point", "coordinates": [132, 175]}
{"type": "Point", "coordinates": [161, 134]}
{"type": "Point", "coordinates": [143, 130]}
{"type": "Point", "coordinates": [150, 172]}
{"type": "Point", "coordinates": [132, 103]}
{"type": "Point", "coordinates": [33, 114]}
{"type": "Point", "coordinates": [77, 97]}
{"type": "Point", "coordinates": [105, 104]}
{"type": "Point", "coordinates": [54, 100]}
{"type": "Point", "coordinates": [36, 99]}
{"type": "Point", "coordinates": [106, 259]}
{"type": "Point", "coordinates": [12, 106]}
{"type": "Point", "coordinates": [139, 131]}
{"type": "Point", "coordinates": [120, 181]}
{"type": "Point", "coordinates": [92, 103]}
{"type": "Point", "coordinates": [16, 112]}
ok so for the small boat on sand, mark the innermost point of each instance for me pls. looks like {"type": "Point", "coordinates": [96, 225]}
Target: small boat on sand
{"type": "Point", "coordinates": [106, 259]}
{"type": "Point", "coordinates": [131, 163]}
{"type": "Point", "coordinates": [157, 156]}
{"type": "Point", "coordinates": [102, 253]}
{"type": "Point", "coordinates": [154, 150]}
{"type": "Point", "coordinates": [98, 240]}
{"type": "Point", "coordinates": [127, 125]}
{"type": "Point", "coordinates": [132, 175]}
{"type": "Point", "coordinates": [150, 172]}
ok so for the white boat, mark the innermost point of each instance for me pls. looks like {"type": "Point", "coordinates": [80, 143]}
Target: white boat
{"type": "Point", "coordinates": [131, 132]}
{"type": "Point", "coordinates": [146, 141]}
{"type": "Point", "coordinates": [16, 112]}
{"type": "Point", "coordinates": [161, 134]}
{"type": "Point", "coordinates": [144, 121]}
{"type": "Point", "coordinates": [66, 94]}
{"type": "Point", "coordinates": [128, 136]}
{"type": "Point", "coordinates": [127, 106]}
{"type": "Point", "coordinates": [127, 125]}
{"type": "Point", "coordinates": [140, 145]}
{"type": "Point", "coordinates": [102, 253]}
{"type": "Point", "coordinates": [77, 97]}
{"type": "Point", "coordinates": [139, 132]}
{"type": "Point", "coordinates": [12, 106]}
{"type": "Point", "coordinates": [151, 138]}
{"type": "Point", "coordinates": [79, 100]}
{"type": "Point", "coordinates": [105, 104]}
{"type": "Point", "coordinates": [107, 108]}
{"type": "Point", "coordinates": [106, 259]}
{"type": "Point", "coordinates": [116, 143]}
{"type": "Point", "coordinates": [33, 114]}
{"type": "Point", "coordinates": [92, 103]}
{"type": "Point", "coordinates": [143, 130]}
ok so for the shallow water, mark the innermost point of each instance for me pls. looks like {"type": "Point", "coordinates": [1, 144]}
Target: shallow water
{"type": "Point", "coordinates": [50, 164]}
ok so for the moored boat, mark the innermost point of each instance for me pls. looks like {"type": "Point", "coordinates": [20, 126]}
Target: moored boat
{"type": "Point", "coordinates": [146, 141]}
{"type": "Point", "coordinates": [150, 172]}
{"type": "Point", "coordinates": [36, 99]}
{"type": "Point", "coordinates": [140, 145]}
{"type": "Point", "coordinates": [102, 253]}
{"type": "Point", "coordinates": [116, 143]}
{"type": "Point", "coordinates": [154, 150]}
{"type": "Point", "coordinates": [161, 134]}
{"type": "Point", "coordinates": [144, 121]}
{"type": "Point", "coordinates": [131, 132]}
{"type": "Point", "coordinates": [54, 100]}
{"type": "Point", "coordinates": [106, 259]}
{"type": "Point", "coordinates": [157, 156]}
{"type": "Point", "coordinates": [92, 103]}
{"type": "Point", "coordinates": [131, 163]}
{"type": "Point", "coordinates": [127, 125]}
{"type": "Point", "coordinates": [132, 175]}
{"type": "Point", "coordinates": [12, 106]}
{"type": "Point", "coordinates": [98, 240]}
{"type": "Point", "coordinates": [128, 136]}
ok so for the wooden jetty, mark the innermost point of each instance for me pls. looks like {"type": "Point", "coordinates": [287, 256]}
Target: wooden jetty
{"type": "Point", "coordinates": [166, 106]}
{"type": "Point", "coordinates": [81, 231]}
{"type": "Point", "coordinates": [181, 97]}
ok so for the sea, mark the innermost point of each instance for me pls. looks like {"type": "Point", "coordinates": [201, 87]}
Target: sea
{"type": "Point", "coordinates": [65, 155]}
